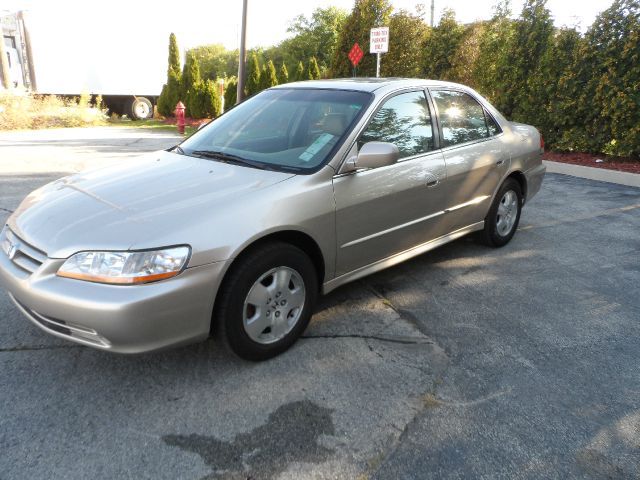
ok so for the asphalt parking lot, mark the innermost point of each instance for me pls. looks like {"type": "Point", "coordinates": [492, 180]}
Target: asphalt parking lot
{"type": "Point", "coordinates": [466, 362]}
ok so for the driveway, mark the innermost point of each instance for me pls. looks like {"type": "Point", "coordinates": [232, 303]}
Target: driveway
{"type": "Point", "coordinates": [465, 362]}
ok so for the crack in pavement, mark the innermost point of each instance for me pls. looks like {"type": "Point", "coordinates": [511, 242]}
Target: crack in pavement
{"type": "Point", "coordinates": [390, 339]}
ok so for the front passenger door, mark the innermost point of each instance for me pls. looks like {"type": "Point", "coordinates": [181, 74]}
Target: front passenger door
{"type": "Point", "coordinates": [387, 210]}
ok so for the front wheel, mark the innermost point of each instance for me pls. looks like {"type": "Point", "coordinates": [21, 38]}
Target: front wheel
{"type": "Point", "coordinates": [267, 301]}
{"type": "Point", "coordinates": [502, 220]}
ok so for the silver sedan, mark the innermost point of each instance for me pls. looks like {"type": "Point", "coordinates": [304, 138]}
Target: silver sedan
{"type": "Point", "coordinates": [290, 194]}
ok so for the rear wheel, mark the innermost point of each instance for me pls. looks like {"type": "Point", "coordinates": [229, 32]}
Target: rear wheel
{"type": "Point", "coordinates": [502, 220]}
{"type": "Point", "coordinates": [267, 301]}
{"type": "Point", "coordinates": [140, 108]}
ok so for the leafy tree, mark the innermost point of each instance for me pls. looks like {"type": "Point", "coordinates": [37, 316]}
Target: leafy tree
{"type": "Point", "coordinates": [283, 74]}
{"type": "Point", "coordinates": [365, 15]}
{"type": "Point", "coordinates": [313, 71]}
{"type": "Point", "coordinates": [230, 93]}
{"type": "Point", "coordinates": [215, 61]}
{"type": "Point", "coordinates": [408, 33]}
{"type": "Point", "coordinates": [316, 36]}
{"type": "Point", "coordinates": [440, 47]}
{"type": "Point", "coordinates": [252, 85]}
{"type": "Point", "coordinates": [171, 91]}
{"type": "Point", "coordinates": [299, 73]}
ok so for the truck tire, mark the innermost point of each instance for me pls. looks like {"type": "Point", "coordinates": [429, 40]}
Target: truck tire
{"type": "Point", "coordinates": [140, 108]}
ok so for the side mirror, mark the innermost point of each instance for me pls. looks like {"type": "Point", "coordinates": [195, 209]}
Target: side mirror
{"type": "Point", "coordinates": [373, 155]}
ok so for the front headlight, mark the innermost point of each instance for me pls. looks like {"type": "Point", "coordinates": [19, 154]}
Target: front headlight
{"type": "Point", "coordinates": [126, 267]}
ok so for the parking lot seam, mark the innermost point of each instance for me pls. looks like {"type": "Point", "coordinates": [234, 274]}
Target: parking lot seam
{"type": "Point", "coordinates": [401, 340]}
{"type": "Point", "coordinates": [29, 348]}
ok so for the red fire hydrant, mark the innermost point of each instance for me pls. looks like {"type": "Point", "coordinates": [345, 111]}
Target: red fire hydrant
{"type": "Point", "coordinates": [180, 117]}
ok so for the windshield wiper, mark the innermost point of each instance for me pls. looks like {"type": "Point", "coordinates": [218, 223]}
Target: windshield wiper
{"type": "Point", "coordinates": [229, 158]}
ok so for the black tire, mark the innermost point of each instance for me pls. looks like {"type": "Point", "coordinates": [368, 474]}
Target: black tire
{"type": "Point", "coordinates": [229, 312]}
{"type": "Point", "coordinates": [491, 235]}
{"type": "Point", "coordinates": [140, 108]}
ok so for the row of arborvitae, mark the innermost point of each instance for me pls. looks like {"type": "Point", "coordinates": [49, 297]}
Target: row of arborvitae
{"type": "Point", "coordinates": [581, 90]}
{"type": "Point", "coordinates": [198, 95]}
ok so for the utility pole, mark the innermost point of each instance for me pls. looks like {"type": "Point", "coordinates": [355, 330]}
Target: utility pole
{"type": "Point", "coordinates": [432, 9]}
{"type": "Point", "coordinates": [243, 54]}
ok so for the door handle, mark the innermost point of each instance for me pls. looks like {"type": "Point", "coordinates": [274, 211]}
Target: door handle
{"type": "Point", "coordinates": [431, 179]}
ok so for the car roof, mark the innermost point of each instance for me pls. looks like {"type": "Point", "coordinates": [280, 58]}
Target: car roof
{"type": "Point", "coordinates": [367, 84]}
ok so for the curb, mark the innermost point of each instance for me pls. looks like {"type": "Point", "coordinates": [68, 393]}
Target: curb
{"type": "Point", "coordinates": [592, 173]}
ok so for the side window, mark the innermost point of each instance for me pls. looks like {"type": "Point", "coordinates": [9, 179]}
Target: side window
{"type": "Point", "coordinates": [461, 117]}
{"type": "Point", "coordinates": [492, 125]}
{"type": "Point", "coordinates": [403, 120]}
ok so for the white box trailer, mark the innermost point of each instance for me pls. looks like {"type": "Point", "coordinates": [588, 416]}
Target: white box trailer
{"type": "Point", "coordinates": [58, 56]}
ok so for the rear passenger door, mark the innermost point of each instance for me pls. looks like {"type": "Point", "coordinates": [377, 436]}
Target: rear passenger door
{"type": "Point", "coordinates": [475, 158]}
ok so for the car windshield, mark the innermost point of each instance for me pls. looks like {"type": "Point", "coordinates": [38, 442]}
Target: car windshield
{"type": "Point", "coordinates": [282, 129]}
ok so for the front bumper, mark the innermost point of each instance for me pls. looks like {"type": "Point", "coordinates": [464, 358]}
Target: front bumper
{"type": "Point", "coordinates": [123, 319]}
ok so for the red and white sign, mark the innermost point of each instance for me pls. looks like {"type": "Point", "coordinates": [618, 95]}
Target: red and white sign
{"type": "Point", "coordinates": [355, 55]}
{"type": "Point", "coordinates": [379, 40]}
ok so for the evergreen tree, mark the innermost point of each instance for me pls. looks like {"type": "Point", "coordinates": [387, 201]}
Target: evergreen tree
{"type": "Point", "coordinates": [211, 103]}
{"type": "Point", "coordinates": [195, 100]}
{"type": "Point", "coordinates": [531, 41]}
{"type": "Point", "coordinates": [606, 79]}
{"type": "Point", "coordinates": [408, 34]}
{"type": "Point", "coordinates": [190, 76]}
{"type": "Point", "coordinates": [490, 69]}
{"type": "Point", "coordinates": [465, 58]}
{"type": "Point", "coordinates": [299, 73]}
{"type": "Point", "coordinates": [174, 55]}
{"type": "Point", "coordinates": [313, 71]}
{"type": "Point", "coordinates": [365, 15]}
{"type": "Point", "coordinates": [171, 91]}
{"type": "Point", "coordinates": [440, 47]}
{"type": "Point", "coordinates": [270, 77]}
{"type": "Point", "coordinates": [283, 74]}
{"type": "Point", "coordinates": [230, 93]}
{"type": "Point", "coordinates": [253, 75]}
{"type": "Point", "coordinates": [263, 77]}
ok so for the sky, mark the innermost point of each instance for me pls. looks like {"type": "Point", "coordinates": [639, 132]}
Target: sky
{"type": "Point", "coordinates": [122, 45]}
{"type": "Point", "coordinates": [198, 22]}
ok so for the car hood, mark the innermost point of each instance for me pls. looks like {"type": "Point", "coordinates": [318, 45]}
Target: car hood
{"type": "Point", "coordinates": [132, 206]}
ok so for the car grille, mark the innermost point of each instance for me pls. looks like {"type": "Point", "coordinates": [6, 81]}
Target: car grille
{"type": "Point", "coordinates": [24, 256]}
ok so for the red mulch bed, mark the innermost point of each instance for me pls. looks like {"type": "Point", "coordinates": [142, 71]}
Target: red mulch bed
{"type": "Point", "coordinates": [589, 160]}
